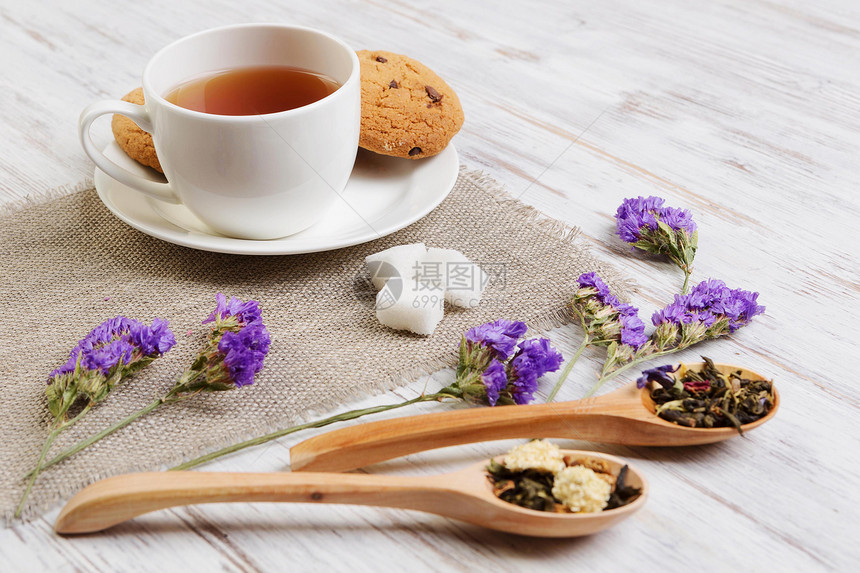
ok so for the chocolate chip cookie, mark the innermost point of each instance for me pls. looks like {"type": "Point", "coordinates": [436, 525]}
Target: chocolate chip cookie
{"type": "Point", "coordinates": [406, 109]}
{"type": "Point", "coordinates": [133, 140]}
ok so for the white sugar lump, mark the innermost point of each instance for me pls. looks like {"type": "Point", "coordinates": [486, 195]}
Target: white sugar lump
{"type": "Point", "coordinates": [398, 261]}
{"type": "Point", "coordinates": [463, 280]}
{"type": "Point", "coordinates": [411, 305]}
{"type": "Point", "coordinates": [415, 282]}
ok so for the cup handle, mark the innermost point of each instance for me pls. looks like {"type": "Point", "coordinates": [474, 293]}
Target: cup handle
{"type": "Point", "coordinates": [138, 114]}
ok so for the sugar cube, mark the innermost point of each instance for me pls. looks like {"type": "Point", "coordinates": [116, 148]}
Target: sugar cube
{"type": "Point", "coordinates": [418, 306]}
{"type": "Point", "coordinates": [399, 261]}
{"type": "Point", "coordinates": [463, 280]}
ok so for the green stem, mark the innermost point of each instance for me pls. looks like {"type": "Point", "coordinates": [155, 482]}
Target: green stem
{"type": "Point", "coordinates": [686, 286]}
{"type": "Point", "coordinates": [607, 377]}
{"type": "Point", "coordinates": [567, 369]}
{"type": "Point", "coordinates": [51, 437]}
{"type": "Point", "coordinates": [350, 415]}
{"type": "Point", "coordinates": [40, 465]}
{"type": "Point", "coordinates": [106, 432]}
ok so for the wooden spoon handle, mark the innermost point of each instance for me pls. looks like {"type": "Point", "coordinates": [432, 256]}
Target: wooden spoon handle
{"type": "Point", "coordinates": [117, 499]}
{"type": "Point", "coordinates": [365, 444]}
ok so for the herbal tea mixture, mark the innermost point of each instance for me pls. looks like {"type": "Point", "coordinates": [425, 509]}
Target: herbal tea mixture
{"type": "Point", "coordinates": [537, 476]}
{"type": "Point", "coordinates": [708, 398]}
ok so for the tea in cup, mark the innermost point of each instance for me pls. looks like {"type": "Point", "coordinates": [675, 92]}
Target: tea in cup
{"type": "Point", "coordinates": [255, 126]}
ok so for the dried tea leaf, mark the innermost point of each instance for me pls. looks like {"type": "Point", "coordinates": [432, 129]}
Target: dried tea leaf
{"type": "Point", "coordinates": [532, 489]}
{"type": "Point", "coordinates": [711, 399]}
{"type": "Point", "coordinates": [623, 493]}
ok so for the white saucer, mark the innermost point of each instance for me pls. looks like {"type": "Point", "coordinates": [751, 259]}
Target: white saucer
{"type": "Point", "coordinates": [384, 194]}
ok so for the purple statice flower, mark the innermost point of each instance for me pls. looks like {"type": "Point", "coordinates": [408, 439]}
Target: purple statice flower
{"type": "Point", "coordinates": [115, 340]}
{"type": "Point", "coordinates": [497, 367]}
{"type": "Point", "coordinates": [677, 219]}
{"type": "Point", "coordinates": [632, 327]}
{"type": "Point", "coordinates": [499, 336]}
{"type": "Point", "coordinates": [245, 312]}
{"type": "Point", "coordinates": [603, 294]}
{"type": "Point", "coordinates": [674, 312]}
{"type": "Point", "coordinates": [244, 352]}
{"type": "Point", "coordinates": [604, 316]}
{"type": "Point", "coordinates": [111, 351]}
{"type": "Point", "coordinates": [236, 349]}
{"type": "Point", "coordinates": [659, 374]}
{"type": "Point", "coordinates": [495, 380]}
{"type": "Point", "coordinates": [635, 216]}
{"type": "Point", "coordinates": [107, 356]}
{"type": "Point", "coordinates": [747, 302]}
{"type": "Point", "coordinates": [711, 308]}
{"type": "Point", "coordinates": [114, 349]}
{"type": "Point", "coordinates": [154, 339]}
{"type": "Point", "coordinates": [534, 358]}
{"type": "Point", "coordinates": [715, 298]}
{"type": "Point", "coordinates": [707, 291]}
{"type": "Point", "coordinates": [647, 224]}
{"type": "Point", "coordinates": [709, 311]}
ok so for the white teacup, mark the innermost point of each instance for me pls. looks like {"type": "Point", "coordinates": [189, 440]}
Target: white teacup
{"type": "Point", "coordinates": [253, 176]}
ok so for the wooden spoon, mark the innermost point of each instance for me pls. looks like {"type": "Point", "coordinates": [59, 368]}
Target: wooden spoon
{"type": "Point", "coordinates": [625, 416]}
{"type": "Point", "coordinates": [465, 495]}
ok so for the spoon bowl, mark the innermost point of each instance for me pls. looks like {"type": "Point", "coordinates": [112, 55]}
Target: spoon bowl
{"type": "Point", "coordinates": [626, 416]}
{"type": "Point", "coordinates": [465, 495]}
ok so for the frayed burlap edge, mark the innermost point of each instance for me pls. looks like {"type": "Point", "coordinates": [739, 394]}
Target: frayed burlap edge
{"type": "Point", "coordinates": [11, 207]}
{"type": "Point", "coordinates": [539, 323]}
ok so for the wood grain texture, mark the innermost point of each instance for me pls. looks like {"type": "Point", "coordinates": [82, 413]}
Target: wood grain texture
{"type": "Point", "coordinates": [745, 111]}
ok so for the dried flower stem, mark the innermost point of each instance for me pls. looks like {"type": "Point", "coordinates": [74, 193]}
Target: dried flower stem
{"type": "Point", "coordinates": [184, 388]}
{"type": "Point", "coordinates": [564, 373]}
{"type": "Point", "coordinates": [350, 415]}
{"type": "Point", "coordinates": [585, 342]}
{"type": "Point", "coordinates": [607, 377]}
{"type": "Point", "coordinates": [57, 428]}
{"type": "Point", "coordinates": [170, 397]}
{"type": "Point", "coordinates": [686, 288]}
{"type": "Point", "coordinates": [35, 473]}
{"type": "Point", "coordinates": [106, 432]}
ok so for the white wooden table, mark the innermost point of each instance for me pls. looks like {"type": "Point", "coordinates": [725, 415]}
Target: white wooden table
{"type": "Point", "coordinates": [745, 111]}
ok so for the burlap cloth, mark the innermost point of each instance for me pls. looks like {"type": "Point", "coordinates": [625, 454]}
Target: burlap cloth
{"type": "Point", "coordinates": [68, 264]}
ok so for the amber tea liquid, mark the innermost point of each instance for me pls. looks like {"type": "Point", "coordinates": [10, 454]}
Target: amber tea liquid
{"type": "Point", "coordinates": [252, 90]}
